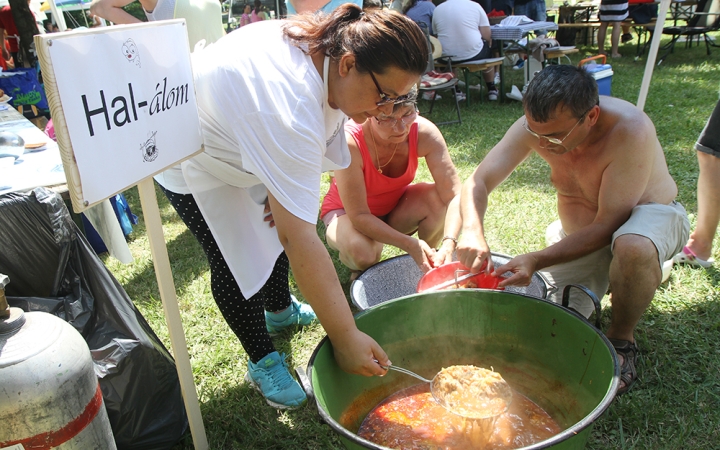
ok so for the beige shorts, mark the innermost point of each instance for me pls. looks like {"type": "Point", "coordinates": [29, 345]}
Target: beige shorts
{"type": "Point", "coordinates": [667, 226]}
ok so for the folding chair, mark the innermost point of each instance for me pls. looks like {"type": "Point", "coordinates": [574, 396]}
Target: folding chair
{"type": "Point", "coordinates": [435, 50]}
{"type": "Point", "coordinates": [706, 19]}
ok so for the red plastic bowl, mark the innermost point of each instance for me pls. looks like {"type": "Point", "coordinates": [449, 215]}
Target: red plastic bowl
{"type": "Point", "coordinates": [446, 272]}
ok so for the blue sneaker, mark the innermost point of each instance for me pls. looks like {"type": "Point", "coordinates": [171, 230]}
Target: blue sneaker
{"type": "Point", "coordinates": [302, 315]}
{"type": "Point", "coordinates": [270, 377]}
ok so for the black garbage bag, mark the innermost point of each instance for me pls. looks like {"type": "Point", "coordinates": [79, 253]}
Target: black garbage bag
{"type": "Point", "coordinates": [52, 268]}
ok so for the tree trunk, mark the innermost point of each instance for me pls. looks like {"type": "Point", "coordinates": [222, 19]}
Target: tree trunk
{"type": "Point", "coordinates": [27, 28]}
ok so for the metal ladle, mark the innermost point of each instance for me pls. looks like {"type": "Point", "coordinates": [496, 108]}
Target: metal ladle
{"type": "Point", "coordinates": [489, 405]}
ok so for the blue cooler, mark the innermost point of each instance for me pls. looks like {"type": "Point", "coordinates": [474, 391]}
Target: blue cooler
{"type": "Point", "coordinates": [603, 75]}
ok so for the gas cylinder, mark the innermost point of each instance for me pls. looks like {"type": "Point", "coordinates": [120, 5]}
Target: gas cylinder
{"type": "Point", "coordinates": [49, 394]}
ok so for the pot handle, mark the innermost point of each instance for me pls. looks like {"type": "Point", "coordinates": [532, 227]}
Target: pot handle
{"type": "Point", "coordinates": [589, 293]}
{"type": "Point", "coordinates": [305, 382]}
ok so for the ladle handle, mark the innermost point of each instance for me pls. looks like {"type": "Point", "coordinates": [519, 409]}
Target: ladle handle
{"type": "Point", "coordinates": [405, 371]}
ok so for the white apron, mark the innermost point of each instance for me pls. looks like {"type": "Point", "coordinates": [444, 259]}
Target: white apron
{"type": "Point", "coordinates": [232, 203]}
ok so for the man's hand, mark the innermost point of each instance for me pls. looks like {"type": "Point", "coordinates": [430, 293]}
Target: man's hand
{"type": "Point", "coordinates": [268, 214]}
{"type": "Point", "coordinates": [473, 251]}
{"type": "Point", "coordinates": [357, 353]}
{"type": "Point", "coordinates": [522, 268]}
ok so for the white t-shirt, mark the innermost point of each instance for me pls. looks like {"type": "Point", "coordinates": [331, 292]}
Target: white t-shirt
{"type": "Point", "coordinates": [164, 10]}
{"type": "Point", "coordinates": [265, 119]}
{"type": "Point", "coordinates": [457, 25]}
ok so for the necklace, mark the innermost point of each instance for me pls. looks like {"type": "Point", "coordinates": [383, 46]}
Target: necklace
{"type": "Point", "coordinates": [377, 155]}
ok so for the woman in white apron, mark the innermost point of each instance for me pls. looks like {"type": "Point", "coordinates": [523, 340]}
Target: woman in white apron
{"type": "Point", "coordinates": [272, 100]}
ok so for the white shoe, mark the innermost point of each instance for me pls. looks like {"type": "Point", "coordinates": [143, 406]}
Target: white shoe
{"type": "Point", "coordinates": [429, 95]}
{"type": "Point", "coordinates": [476, 87]}
{"type": "Point", "coordinates": [497, 78]}
{"type": "Point", "coordinates": [460, 96]}
{"type": "Point", "coordinates": [666, 269]}
{"type": "Point", "coordinates": [515, 94]}
{"type": "Point", "coordinates": [493, 95]}
{"type": "Point", "coordinates": [461, 83]}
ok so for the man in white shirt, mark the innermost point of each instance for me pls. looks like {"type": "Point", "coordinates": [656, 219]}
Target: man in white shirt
{"type": "Point", "coordinates": [464, 32]}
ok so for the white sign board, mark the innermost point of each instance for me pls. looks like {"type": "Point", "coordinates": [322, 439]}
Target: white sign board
{"type": "Point", "coordinates": [129, 104]}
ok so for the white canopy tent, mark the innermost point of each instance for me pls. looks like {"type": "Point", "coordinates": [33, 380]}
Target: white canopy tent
{"type": "Point", "coordinates": [652, 53]}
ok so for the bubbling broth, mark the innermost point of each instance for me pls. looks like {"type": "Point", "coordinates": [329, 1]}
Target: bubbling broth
{"type": "Point", "coordinates": [412, 419]}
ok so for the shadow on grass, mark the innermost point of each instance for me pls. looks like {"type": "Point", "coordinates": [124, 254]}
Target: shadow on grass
{"type": "Point", "coordinates": [183, 251]}
{"type": "Point", "coordinates": [238, 418]}
{"type": "Point", "coordinates": [675, 403]}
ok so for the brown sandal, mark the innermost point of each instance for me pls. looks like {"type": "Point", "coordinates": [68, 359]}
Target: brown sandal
{"type": "Point", "coordinates": [629, 352]}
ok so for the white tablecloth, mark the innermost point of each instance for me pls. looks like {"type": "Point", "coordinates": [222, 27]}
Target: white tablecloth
{"type": "Point", "coordinates": [517, 32]}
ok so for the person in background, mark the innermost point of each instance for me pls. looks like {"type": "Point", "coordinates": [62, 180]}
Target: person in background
{"type": "Point", "coordinates": [251, 199]}
{"type": "Point", "coordinates": [245, 18]}
{"type": "Point", "coordinates": [698, 250]}
{"type": "Point", "coordinates": [9, 30]}
{"type": "Point", "coordinates": [325, 6]}
{"type": "Point", "coordinates": [641, 12]}
{"type": "Point", "coordinates": [464, 32]}
{"type": "Point", "coordinates": [421, 11]}
{"type": "Point", "coordinates": [373, 202]}
{"type": "Point", "coordinates": [203, 17]}
{"type": "Point", "coordinates": [619, 221]}
{"type": "Point", "coordinates": [258, 13]}
{"type": "Point", "coordinates": [533, 9]}
{"type": "Point", "coordinates": [611, 12]}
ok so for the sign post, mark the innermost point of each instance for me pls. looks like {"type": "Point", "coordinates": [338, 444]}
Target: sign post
{"type": "Point", "coordinates": [123, 105]}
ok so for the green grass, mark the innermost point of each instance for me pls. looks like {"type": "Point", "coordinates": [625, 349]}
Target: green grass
{"type": "Point", "coordinates": [676, 402]}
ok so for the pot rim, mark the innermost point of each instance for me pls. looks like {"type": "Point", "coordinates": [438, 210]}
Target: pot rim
{"type": "Point", "coordinates": [573, 430]}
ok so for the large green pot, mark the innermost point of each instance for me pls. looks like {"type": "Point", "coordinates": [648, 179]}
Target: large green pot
{"type": "Point", "coordinates": [546, 352]}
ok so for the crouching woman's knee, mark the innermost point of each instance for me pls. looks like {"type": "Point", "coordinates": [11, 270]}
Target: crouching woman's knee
{"type": "Point", "coordinates": [364, 254]}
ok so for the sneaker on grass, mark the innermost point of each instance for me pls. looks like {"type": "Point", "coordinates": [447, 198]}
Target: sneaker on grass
{"type": "Point", "coordinates": [299, 314]}
{"type": "Point", "coordinates": [460, 96]}
{"type": "Point", "coordinates": [493, 95]}
{"type": "Point", "coordinates": [271, 377]}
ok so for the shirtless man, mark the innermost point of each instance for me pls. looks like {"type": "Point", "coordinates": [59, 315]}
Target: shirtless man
{"type": "Point", "coordinates": [618, 218]}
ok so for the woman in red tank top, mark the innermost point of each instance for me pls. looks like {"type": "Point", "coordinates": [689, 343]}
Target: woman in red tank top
{"type": "Point", "coordinates": [373, 202]}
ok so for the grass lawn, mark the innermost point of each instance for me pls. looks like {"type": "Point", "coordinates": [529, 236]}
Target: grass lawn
{"type": "Point", "coordinates": [674, 405]}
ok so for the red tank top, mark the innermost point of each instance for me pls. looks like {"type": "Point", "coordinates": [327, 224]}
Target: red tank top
{"type": "Point", "coordinates": [383, 192]}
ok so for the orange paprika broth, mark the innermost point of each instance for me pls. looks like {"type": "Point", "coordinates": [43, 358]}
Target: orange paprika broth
{"type": "Point", "coordinates": [411, 419]}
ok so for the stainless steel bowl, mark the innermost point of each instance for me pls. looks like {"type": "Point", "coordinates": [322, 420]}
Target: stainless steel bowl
{"type": "Point", "coordinates": [398, 277]}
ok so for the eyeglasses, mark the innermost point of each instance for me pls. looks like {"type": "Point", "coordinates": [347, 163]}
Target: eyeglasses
{"type": "Point", "coordinates": [391, 122]}
{"type": "Point", "coordinates": [384, 98]}
{"type": "Point", "coordinates": [553, 140]}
